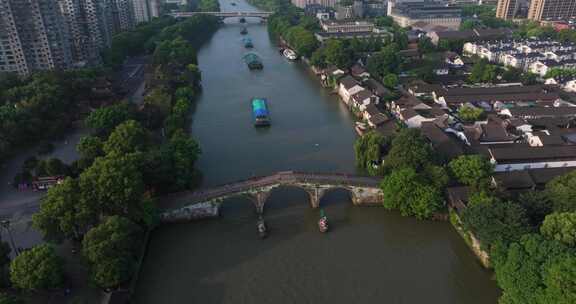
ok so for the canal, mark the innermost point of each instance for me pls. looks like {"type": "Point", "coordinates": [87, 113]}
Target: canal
{"type": "Point", "coordinates": [370, 255]}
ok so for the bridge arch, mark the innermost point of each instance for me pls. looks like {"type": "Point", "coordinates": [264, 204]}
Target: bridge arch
{"type": "Point", "coordinates": [350, 192]}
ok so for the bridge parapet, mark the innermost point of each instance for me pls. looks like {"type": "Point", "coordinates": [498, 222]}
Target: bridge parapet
{"type": "Point", "coordinates": [363, 190]}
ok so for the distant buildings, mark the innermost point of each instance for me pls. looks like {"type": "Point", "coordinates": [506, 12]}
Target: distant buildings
{"type": "Point", "coordinates": [62, 34]}
{"type": "Point", "coordinates": [435, 13]}
{"type": "Point", "coordinates": [33, 36]}
{"type": "Point", "coordinates": [538, 10]}
{"type": "Point", "coordinates": [339, 29]}
{"type": "Point", "coordinates": [536, 56]}
{"type": "Point", "coordinates": [551, 9]}
{"type": "Point", "coordinates": [507, 9]}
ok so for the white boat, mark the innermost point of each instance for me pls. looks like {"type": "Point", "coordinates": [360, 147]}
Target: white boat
{"type": "Point", "coordinates": [290, 54]}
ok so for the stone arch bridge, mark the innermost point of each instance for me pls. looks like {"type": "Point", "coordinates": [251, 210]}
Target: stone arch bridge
{"type": "Point", "coordinates": [363, 190]}
{"type": "Point", "coordinates": [222, 15]}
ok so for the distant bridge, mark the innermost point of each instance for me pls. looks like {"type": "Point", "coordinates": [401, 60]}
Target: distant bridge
{"type": "Point", "coordinates": [222, 15]}
{"type": "Point", "coordinates": [363, 190]}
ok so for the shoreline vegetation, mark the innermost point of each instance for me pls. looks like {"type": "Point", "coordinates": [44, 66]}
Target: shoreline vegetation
{"type": "Point", "coordinates": [133, 154]}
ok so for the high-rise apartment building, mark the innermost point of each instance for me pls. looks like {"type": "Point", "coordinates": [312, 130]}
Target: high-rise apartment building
{"type": "Point", "coordinates": [33, 36]}
{"type": "Point", "coordinates": [89, 34]}
{"type": "Point", "coordinates": [122, 15]}
{"type": "Point", "coordinates": [551, 9]}
{"type": "Point", "coordinates": [141, 10]}
{"type": "Point", "coordinates": [507, 9]}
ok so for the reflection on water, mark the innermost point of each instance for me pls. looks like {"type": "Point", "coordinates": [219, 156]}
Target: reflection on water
{"type": "Point", "coordinates": [370, 255]}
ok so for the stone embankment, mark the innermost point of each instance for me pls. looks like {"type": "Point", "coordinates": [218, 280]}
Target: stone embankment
{"type": "Point", "coordinates": [190, 213]}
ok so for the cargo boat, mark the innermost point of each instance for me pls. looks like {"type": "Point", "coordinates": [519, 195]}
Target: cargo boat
{"type": "Point", "coordinates": [253, 61]}
{"type": "Point", "coordinates": [248, 43]}
{"type": "Point", "coordinates": [260, 113]}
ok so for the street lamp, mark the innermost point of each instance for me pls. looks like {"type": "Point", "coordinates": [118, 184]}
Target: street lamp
{"type": "Point", "coordinates": [6, 225]}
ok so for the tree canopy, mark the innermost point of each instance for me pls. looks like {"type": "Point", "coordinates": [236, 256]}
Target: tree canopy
{"type": "Point", "coordinates": [562, 190]}
{"type": "Point", "coordinates": [472, 170]}
{"type": "Point", "coordinates": [370, 150]}
{"type": "Point", "coordinates": [109, 247]}
{"type": "Point", "coordinates": [470, 113]}
{"type": "Point", "coordinates": [529, 272]}
{"type": "Point", "coordinates": [405, 190]}
{"type": "Point", "coordinates": [409, 150]}
{"type": "Point", "coordinates": [560, 227]}
{"type": "Point", "coordinates": [128, 137]}
{"type": "Point", "coordinates": [37, 268]}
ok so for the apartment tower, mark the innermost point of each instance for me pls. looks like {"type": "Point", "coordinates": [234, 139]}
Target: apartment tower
{"type": "Point", "coordinates": [33, 36]}
{"type": "Point", "coordinates": [551, 9]}
{"type": "Point", "coordinates": [507, 9]}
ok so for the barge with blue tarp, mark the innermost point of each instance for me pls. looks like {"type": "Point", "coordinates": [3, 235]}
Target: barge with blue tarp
{"type": "Point", "coordinates": [253, 61]}
{"type": "Point", "coordinates": [248, 43]}
{"type": "Point", "coordinates": [260, 113]}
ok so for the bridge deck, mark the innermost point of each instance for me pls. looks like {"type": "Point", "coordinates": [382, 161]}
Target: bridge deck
{"type": "Point", "coordinates": [282, 178]}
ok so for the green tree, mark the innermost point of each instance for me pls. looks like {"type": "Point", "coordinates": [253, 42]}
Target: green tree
{"type": "Point", "coordinates": [109, 248]}
{"type": "Point", "coordinates": [384, 62]}
{"type": "Point", "coordinates": [562, 190]}
{"type": "Point", "coordinates": [384, 21]}
{"type": "Point", "coordinates": [63, 214]}
{"type": "Point", "coordinates": [472, 170]}
{"type": "Point", "coordinates": [182, 152]}
{"type": "Point", "coordinates": [537, 206]}
{"type": "Point", "coordinates": [369, 150]}
{"type": "Point", "coordinates": [495, 222]}
{"type": "Point", "coordinates": [467, 25]}
{"type": "Point", "coordinates": [105, 119]}
{"type": "Point", "coordinates": [512, 74]}
{"type": "Point", "coordinates": [9, 299]}
{"type": "Point", "coordinates": [337, 53]}
{"type": "Point", "coordinates": [559, 279]}
{"type": "Point", "coordinates": [426, 46]}
{"type": "Point", "coordinates": [407, 191]}
{"type": "Point", "coordinates": [390, 80]}
{"type": "Point", "coordinates": [520, 272]}
{"type": "Point", "coordinates": [114, 186]}
{"type": "Point", "coordinates": [529, 78]}
{"type": "Point", "coordinates": [37, 268]}
{"type": "Point", "coordinates": [561, 227]}
{"type": "Point", "coordinates": [127, 137]}
{"type": "Point", "coordinates": [409, 150]}
{"type": "Point", "coordinates": [89, 147]}
{"type": "Point", "coordinates": [470, 113]}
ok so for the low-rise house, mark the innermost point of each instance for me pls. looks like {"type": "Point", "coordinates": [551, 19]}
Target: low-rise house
{"type": "Point", "coordinates": [419, 88]}
{"type": "Point", "coordinates": [374, 116]}
{"type": "Point", "coordinates": [526, 180]}
{"type": "Point", "coordinates": [413, 118]}
{"type": "Point", "coordinates": [453, 60]}
{"type": "Point", "coordinates": [410, 54]}
{"type": "Point", "coordinates": [362, 99]}
{"type": "Point", "coordinates": [448, 147]}
{"type": "Point", "coordinates": [359, 71]}
{"type": "Point", "coordinates": [539, 112]}
{"type": "Point", "coordinates": [441, 69]}
{"type": "Point", "coordinates": [377, 89]}
{"type": "Point", "coordinates": [407, 102]}
{"type": "Point", "coordinates": [492, 132]}
{"type": "Point", "coordinates": [348, 87]}
{"type": "Point", "coordinates": [495, 97]}
{"type": "Point", "coordinates": [541, 67]}
{"type": "Point", "coordinates": [523, 158]}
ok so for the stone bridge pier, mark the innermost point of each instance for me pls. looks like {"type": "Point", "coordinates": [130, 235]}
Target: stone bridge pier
{"type": "Point", "coordinates": [359, 195]}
